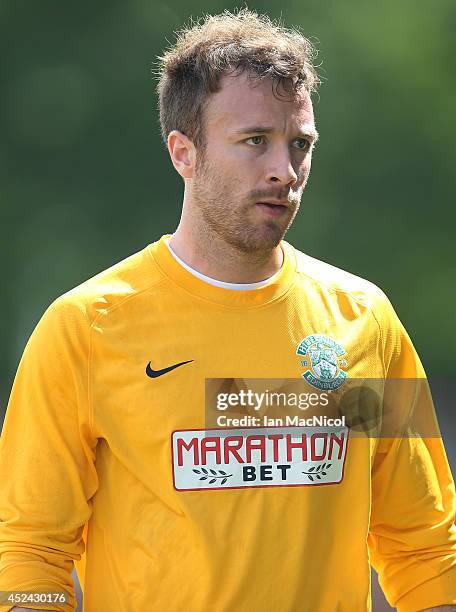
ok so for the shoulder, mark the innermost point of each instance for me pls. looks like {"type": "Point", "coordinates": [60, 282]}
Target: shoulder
{"type": "Point", "coordinates": [105, 291]}
{"type": "Point", "coordinates": [330, 279]}
{"type": "Point", "coordinates": [336, 279]}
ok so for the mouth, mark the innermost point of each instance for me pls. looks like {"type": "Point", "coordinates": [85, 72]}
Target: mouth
{"type": "Point", "coordinates": [272, 209]}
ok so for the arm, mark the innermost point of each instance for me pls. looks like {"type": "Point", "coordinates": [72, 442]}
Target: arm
{"type": "Point", "coordinates": [47, 454]}
{"type": "Point", "coordinates": [441, 609]}
{"type": "Point", "coordinates": [412, 536]}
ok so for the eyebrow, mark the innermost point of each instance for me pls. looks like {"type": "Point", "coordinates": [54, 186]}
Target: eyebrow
{"type": "Point", "coordinates": [308, 131]}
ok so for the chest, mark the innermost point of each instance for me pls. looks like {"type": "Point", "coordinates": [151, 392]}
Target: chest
{"type": "Point", "coordinates": [151, 372]}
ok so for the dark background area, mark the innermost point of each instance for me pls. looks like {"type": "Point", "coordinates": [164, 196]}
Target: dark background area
{"type": "Point", "coordinates": [85, 180]}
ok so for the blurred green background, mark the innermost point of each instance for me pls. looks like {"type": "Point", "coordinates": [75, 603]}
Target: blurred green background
{"type": "Point", "coordinates": [86, 181]}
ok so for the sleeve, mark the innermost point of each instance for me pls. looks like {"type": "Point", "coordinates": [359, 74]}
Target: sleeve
{"type": "Point", "coordinates": [412, 535]}
{"type": "Point", "coordinates": [47, 459]}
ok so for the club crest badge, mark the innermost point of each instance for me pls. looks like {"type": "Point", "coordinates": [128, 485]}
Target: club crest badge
{"type": "Point", "coordinates": [324, 360]}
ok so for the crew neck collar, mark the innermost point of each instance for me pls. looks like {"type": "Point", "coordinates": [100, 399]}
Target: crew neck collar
{"type": "Point", "coordinates": [279, 284]}
{"type": "Point", "coordinates": [219, 283]}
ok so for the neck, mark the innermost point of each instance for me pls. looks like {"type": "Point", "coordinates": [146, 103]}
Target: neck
{"type": "Point", "coordinates": [212, 256]}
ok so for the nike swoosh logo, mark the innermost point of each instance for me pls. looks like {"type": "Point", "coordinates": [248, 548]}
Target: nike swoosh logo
{"type": "Point", "coordinates": [156, 373]}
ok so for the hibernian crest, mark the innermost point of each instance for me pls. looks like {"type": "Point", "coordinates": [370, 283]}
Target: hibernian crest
{"type": "Point", "coordinates": [324, 362]}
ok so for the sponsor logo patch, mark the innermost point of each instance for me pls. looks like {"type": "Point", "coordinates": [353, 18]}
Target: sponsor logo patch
{"type": "Point", "coordinates": [258, 457]}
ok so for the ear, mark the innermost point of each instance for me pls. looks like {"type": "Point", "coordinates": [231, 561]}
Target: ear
{"type": "Point", "coordinates": [182, 152]}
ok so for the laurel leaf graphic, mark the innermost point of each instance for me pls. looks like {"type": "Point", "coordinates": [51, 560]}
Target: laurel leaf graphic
{"type": "Point", "coordinates": [224, 480]}
{"type": "Point", "coordinates": [318, 476]}
{"type": "Point", "coordinates": [197, 471]}
{"type": "Point", "coordinates": [329, 465]}
{"type": "Point", "coordinates": [324, 473]}
{"type": "Point", "coordinates": [204, 470]}
{"type": "Point", "coordinates": [204, 478]}
{"type": "Point", "coordinates": [310, 477]}
{"type": "Point", "coordinates": [222, 472]}
{"type": "Point", "coordinates": [213, 472]}
{"type": "Point", "coordinates": [212, 481]}
{"type": "Point", "coordinates": [318, 468]}
{"type": "Point", "coordinates": [312, 468]}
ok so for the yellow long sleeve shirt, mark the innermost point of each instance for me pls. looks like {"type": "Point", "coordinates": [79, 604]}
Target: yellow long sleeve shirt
{"type": "Point", "coordinates": [104, 451]}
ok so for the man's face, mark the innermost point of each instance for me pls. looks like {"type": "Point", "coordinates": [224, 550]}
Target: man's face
{"type": "Point", "coordinates": [259, 148]}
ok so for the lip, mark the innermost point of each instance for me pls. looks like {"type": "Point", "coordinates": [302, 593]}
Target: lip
{"type": "Point", "coordinates": [272, 208]}
{"type": "Point", "coordinates": [276, 202]}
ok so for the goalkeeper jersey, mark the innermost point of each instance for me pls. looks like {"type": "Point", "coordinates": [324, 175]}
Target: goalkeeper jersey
{"type": "Point", "coordinates": [107, 460]}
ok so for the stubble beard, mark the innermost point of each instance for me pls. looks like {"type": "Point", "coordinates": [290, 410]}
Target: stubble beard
{"type": "Point", "coordinates": [223, 217]}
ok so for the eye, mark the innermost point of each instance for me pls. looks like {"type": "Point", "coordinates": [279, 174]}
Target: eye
{"type": "Point", "coordinates": [303, 143]}
{"type": "Point", "coordinates": [255, 138]}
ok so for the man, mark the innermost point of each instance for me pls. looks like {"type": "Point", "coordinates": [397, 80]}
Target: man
{"type": "Point", "coordinates": [105, 449]}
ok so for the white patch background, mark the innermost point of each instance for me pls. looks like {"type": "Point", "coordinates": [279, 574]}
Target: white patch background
{"type": "Point", "coordinates": [185, 478]}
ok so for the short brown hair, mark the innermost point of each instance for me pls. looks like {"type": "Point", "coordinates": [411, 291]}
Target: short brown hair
{"type": "Point", "coordinates": [190, 71]}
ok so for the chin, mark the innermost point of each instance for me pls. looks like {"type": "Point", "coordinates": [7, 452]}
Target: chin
{"type": "Point", "coordinates": [265, 238]}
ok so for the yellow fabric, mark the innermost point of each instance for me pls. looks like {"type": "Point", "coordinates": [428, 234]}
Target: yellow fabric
{"type": "Point", "coordinates": [86, 465]}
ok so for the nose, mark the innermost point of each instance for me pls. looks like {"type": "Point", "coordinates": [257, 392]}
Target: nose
{"type": "Point", "coordinates": [280, 169]}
